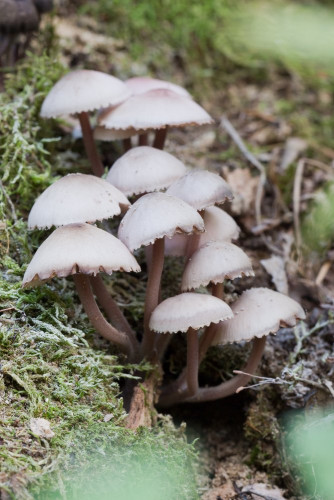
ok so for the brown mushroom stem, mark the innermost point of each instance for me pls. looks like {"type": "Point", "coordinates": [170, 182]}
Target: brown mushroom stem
{"type": "Point", "coordinates": [162, 343]}
{"type": "Point", "coordinates": [225, 388]}
{"type": "Point", "coordinates": [112, 310]}
{"type": "Point", "coordinates": [152, 293]}
{"type": "Point", "coordinates": [90, 145]}
{"type": "Point", "coordinates": [142, 140]}
{"type": "Point", "coordinates": [218, 290]}
{"type": "Point", "coordinates": [97, 319]}
{"type": "Point", "coordinates": [192, 362]}
{"type": "Point", "coordinates": [204, 344]}
{"type": "Point", "coordinates": [127, 145]}
{"type": "Point", "coordinates": [160, 137]}
{"type": "Point", "coordinates": [193, 241]}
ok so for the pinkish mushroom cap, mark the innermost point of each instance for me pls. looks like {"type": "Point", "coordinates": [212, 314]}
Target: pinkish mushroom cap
{"type": "Point", "coordinates": [188, 310]}
{"type": "Point", "coordinates": [214, 262]}
{"type": "Point", "coordinates": [76, 198]}
{"type": "Point", "coordinates": [154, 110]}
{"type": "Point", "coordinates": [83, 90]}
{"type": "Point", "coordinates": [258, 312]}
{"type": "Point", "coordinates": [144, 169]}
{"type": "Point", "coordinates": [201, 189]}
{"type": "Point", "coordinates": [219, 226]}
{"type": "Point", "coordinates": [78, 248]}
{"type": "Point", "coordinates": [142, 84]}
{"type": "Point", "coordinates": [154, 216]}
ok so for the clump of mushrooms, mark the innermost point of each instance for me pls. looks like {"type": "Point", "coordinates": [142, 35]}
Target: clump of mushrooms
{"type": "Point", "coordinates": [183, 221]}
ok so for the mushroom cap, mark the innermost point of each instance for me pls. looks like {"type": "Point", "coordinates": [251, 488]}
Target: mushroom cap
{"type": "Point", "coordinates": [188, 310]}
{"type": "Point", "coordinates": [154, 216]}
{"type": "Point", "coordinates": [83, 90]}
{"type": "Point", "coordinates": [76, 198]}
{"type": "Point", "coordinates": [78, 248]}
{"type": "Point", "coordinates": [214, 262]}
{"type": "Point", "coordinates": [153, 110]}
{"type": "Point", "coordinates": [201, 189]}
{"type": "Point", "coordinates": [142, 84]}
{"type": "Point", "coordinates": [17, 16]}
{"type": "Point", "coordinates": [219, 226]}
{"type": "Point", "coordinates": [258, 312]}
{"type": "Point", "coordinates": [144, 169]}
{"type": "Point", "coordinates": [109, 134]}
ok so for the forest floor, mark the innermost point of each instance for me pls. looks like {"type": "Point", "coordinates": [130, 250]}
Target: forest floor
{"type": "Point", "coordinates": [243, 442]}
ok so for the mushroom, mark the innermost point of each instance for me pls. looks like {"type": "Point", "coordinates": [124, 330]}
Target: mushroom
{"type": "Point", "coordinates": [219, 226]}
{"type": "Point", "coordinates": [201, 189]}
{"type": "Point", "coordinates": [155, 109]}
{"type": "Point", "coordinates": [76, 198]}
{"type": "Point", "coordinates": [141, 84]}
{"type": "Point", "coordinates": [147, 222]}
{"type": "Point", "coordinates": [82, 91]}
{"type": "Point", "coordinates": [188, 312]}
{"type": "Point", "coordinates": [215, 262]}
{"type": "Point", "coordinates": [145, 169]}
{"type": "Point", "coordinates": [82, 250]}
{"type": "Point", "coordinates": [257, 312]}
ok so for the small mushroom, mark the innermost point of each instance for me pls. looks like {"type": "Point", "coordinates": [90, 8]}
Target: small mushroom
{"type": "Point", "coordinates": [81, 250]}
{"type": "Point", "coordinates": [156, 109]}
{"type": "Point", "coordinates": [142, 84]}
{"type": "Point", "coordinates": [76, 198]}
{"type": "Point", "coordinates": [147, 222]}
{"type": "Point", "coordinates": [82, 91]}
{"type": "Point", "coordinates": [188, 312]}
{"type": "Point", "coordinates": [145, 169]}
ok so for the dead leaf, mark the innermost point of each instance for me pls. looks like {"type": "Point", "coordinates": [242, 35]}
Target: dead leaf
{"type": "Point", "coordinates": [275, 266]}
{"type": "Point", "coordinates": [41, 428]}
{"type": "Point", "coordinates": [244, 187]}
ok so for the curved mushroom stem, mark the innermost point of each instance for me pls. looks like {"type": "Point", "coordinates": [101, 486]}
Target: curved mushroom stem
{"type": "Point", "coordinates": [192, 362]}
{"type": "Point", "coordinates": [160, 137]}
{"type": "Point", "coordinates": [204, 344]}
{"type": "Point", "coordinates": [152, 294]}
{"type": "Point", "coordinates": [225, 388]}
{"type": "Point", "coordinates": [90, 145]}
{"type": "Point", "coordinates": [112, 310]}
{"type": "Point", "coordinates": [97, 319]}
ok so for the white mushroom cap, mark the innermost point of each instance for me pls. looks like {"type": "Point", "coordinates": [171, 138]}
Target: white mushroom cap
{"type": "Point", "coordinates": [78, 248]}
{"type": "Point", "coordinates": [215, 262]}
{"type": "Point", "coordinates": [188, 310]}
{"type": "Point", "coordinates": [153, 110]}
{"type": "Point", "coordinates": [258, 312]}
{"type": "Point", "coordinates": [142, 84]}
{"type": "Point", "coordinates": [83, 90]}
{"type": "Point", "coordinates": [154, 216]}
{"type": "Point", "coordinates": [219, 226]}
{"type": "Point", "coordinates": [144, 169]}
{"type": "Point", "coordinates": [109, 134]}
{"type": "Point", "coordinates": [76, 198]}
{"type": "Point", "coordinates": [201, 189]}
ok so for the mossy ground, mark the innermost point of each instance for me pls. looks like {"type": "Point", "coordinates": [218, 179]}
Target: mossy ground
{"type": "Point", "coordinates": [52, 364]}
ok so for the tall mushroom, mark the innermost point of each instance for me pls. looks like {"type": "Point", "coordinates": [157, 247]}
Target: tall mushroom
{"type": "Point", "coordinates": [147, 222]}
{"type": "Point", "coordinates": [82, 91]}
{"type": "Point", "coordinates": [82, 250]}
{"type": "Point", "coordinates": [188, 312]}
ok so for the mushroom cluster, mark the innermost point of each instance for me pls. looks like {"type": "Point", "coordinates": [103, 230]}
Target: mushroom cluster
{"type": "Point", "coordinates": [176, 211]}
